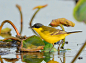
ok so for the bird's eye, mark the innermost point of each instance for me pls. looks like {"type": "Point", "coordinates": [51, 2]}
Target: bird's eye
{"type": "Point", "coordinates": [37, 26]}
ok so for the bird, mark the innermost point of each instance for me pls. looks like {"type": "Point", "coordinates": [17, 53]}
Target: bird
{"type": "Point", "coordinates": [50, 34]}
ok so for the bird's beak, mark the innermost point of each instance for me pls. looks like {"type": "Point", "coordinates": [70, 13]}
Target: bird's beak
{"type": "Point", "coordinates": [31, 27]}
{"type": "Point", "coordinates": [49, 25]}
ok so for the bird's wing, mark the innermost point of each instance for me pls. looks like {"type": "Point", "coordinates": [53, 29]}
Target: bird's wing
{"type": "Point", "coordinates": [52, 31]}
{"type": "Point", "coordinates": [58, 32]}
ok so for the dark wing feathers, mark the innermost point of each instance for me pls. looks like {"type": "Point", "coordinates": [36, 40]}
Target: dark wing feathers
{"type": "Point", "coordinates": [52, 30]}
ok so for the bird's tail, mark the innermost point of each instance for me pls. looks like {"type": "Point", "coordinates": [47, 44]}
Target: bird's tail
{"type": "Point", "coordinates": [73, 32]}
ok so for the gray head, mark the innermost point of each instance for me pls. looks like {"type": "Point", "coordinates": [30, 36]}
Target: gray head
{"type": "Point", "coordinates": [37, 25]}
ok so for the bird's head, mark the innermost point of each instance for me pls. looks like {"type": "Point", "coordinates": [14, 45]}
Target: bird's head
{"type": "Point", "coordinates": [37, 25]}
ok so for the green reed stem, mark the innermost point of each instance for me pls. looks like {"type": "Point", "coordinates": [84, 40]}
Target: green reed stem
{"type": "Point", "coordinates": [32, 20]}
{"type": "Point", "coordinates": [79, 52]}
{"type": "Point", "coordinates": [64, 38]}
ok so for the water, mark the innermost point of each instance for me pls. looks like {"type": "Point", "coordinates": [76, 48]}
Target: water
{"type": "Point", "coordinates": [55, 9]}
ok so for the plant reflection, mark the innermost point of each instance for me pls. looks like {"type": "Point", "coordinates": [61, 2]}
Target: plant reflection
{"type": "Point", "coordinates": [35, 57]}
{"type": "Point", "coordinates": [13, 60]}
{"type": "Point", "coordinates": [1, 59]}
{"type": "Point", "coordinates": [62, 53]}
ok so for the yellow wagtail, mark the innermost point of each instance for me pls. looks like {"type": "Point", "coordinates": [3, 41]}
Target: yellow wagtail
{"type": "Point", "coordinates": [50, 34]}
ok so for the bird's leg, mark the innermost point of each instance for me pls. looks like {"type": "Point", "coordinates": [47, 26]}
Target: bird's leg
{"type": "Point", "coordinates": [62, 46]}
{"type": "Point", "coordinates": [59, 45]}
{"type": "Point", "coordinates": [51, 48]}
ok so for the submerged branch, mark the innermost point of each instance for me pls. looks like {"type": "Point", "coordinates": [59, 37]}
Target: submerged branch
{"type": "Point", "coordinates": [12, 38]}
{"type": "Point", "coordinates": [11, 24]}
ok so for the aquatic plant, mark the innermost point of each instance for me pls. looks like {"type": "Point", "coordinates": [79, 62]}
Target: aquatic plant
{"type": "Point", "coordinates": [61, 22]}
{"type": "Point", "coordinates": [79, 11]}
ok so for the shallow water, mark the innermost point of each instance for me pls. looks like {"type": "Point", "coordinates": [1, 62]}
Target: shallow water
{"type": "Point", "coordinates": [55, 9]}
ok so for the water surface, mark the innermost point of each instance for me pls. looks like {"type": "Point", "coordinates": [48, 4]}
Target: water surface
{"type": "Point", "coordinates": [55, 9]}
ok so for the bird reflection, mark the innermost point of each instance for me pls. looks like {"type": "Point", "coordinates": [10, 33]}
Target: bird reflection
{"type": "Point", "coordinates": [52, 61]}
